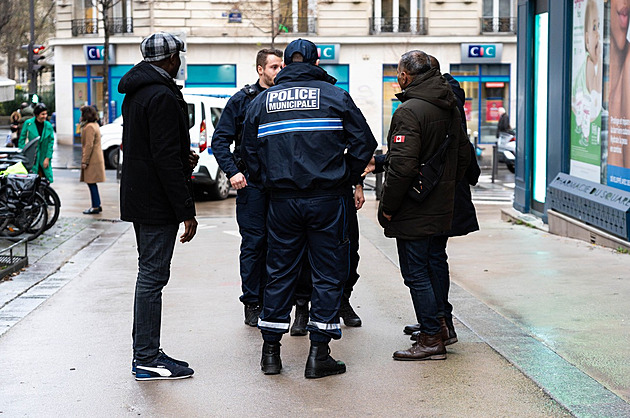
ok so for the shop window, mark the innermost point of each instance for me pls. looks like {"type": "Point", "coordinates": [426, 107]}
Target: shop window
{"type": "Point", "coordinates": [297, 16]}
{"type": "Point", "coordinates": [341, 72]}
{"type": "Point", "coordinates": [399, 16]}
{"type": "Point", "coordinates": [211, 75]}
{"type": "Point", "coordinates": [499, 16]}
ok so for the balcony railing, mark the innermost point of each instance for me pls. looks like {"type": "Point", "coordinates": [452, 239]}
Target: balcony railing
{"type": "Point", "coordinates": [120, 25]}
{"type": "Point", "coordinates": [410, 25]}
{"type": "Point", "coordinates": [306, 25]}
{"type": "Point", "coordinates": [498, 25]}
{"type": "Point", "coordinates": [84, 26]}
{"type": "Point", "coordinates": [90, 26]}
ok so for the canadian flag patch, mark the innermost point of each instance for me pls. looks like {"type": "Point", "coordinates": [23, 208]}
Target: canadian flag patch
{"type": "Point", "coordinates": [399, 138]}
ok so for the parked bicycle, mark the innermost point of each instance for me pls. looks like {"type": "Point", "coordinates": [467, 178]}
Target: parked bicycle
{"type": "Point", "coordinates": [23, 209]}
{"type": "Point", "coordinates": [26, 156]}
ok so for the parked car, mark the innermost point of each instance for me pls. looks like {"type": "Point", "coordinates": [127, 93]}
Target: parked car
{"type": "Point", "coordinates": [204, 111]}
{"type": "Point", "coordinates": [506, 149]}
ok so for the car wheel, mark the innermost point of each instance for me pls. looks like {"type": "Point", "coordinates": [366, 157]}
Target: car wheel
{"type": "Point", "coordinates": [111, 157]}
{"type": "Point", "coordinates": [221, 188]}
{"type": "Point", "coordinates": [510, 166]}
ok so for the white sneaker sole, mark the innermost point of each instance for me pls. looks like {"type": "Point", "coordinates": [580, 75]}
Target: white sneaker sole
{"type": "Point", "coordinates": [142, 379]}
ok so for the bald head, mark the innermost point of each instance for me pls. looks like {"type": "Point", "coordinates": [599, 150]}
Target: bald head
{"type": "Point", "coordinates": [415, 63]}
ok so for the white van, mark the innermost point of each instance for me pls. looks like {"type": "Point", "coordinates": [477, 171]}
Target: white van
{"type": "Point", "coordinates": [204, 111]}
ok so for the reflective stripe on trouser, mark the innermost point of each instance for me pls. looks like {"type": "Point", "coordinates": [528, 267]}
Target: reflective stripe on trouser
{"type": "Point", "coordinates": [319, 224]}
{"type": "Point", "coordinates": [251, 215]}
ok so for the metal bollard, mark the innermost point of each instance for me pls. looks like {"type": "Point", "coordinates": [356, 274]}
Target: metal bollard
{"type": "Point", "coordinates": [495, 160]}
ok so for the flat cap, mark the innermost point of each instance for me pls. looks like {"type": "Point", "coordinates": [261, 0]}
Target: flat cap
{"type": "Point", "coordinates": [304, 47]}
{"type": "Point", "coordinates": [161, 45]}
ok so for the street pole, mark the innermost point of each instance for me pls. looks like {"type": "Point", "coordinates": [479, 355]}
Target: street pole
{"type": "Point", "coordinates": [32, 85]}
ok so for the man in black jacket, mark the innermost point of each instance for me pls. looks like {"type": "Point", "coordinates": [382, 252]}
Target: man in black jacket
{"type": "Point", "coordinates": [307, 142]}
{"type": "Point", "coordinates": [251, 200]}
{"type": "Point", "coordinates": [419, 126]}
{"type": "Point", "coordinates": [155, 191]}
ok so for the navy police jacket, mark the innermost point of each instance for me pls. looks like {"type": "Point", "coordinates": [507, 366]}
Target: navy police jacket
{"type": "Point", "coordinates": [305, 135]}
{"type": "Point", "coordinates": [229, 130]}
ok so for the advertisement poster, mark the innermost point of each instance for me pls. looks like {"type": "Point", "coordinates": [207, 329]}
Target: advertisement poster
{"type": "Point", "coordinates": [586, 89]}
{"type": "Point", "coordinates": [492, 110]}
{"type": "Point", "coordinates": [618, 170]}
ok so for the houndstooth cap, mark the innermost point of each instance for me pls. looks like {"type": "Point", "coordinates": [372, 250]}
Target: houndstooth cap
{"type": "Point", "coordinates": [161, 45]}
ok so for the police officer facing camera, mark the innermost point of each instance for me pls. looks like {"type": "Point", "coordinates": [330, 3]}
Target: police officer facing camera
{"type": "Point", "coordinates": [306, 141]}
{"type": "Point", "coordinates": [252, 200]}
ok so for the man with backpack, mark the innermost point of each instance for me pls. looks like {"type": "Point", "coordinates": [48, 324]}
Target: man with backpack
{"type": "Point", "coordinates": [420, 125]}
{"type": "Point", "coordinates": [252, 200]}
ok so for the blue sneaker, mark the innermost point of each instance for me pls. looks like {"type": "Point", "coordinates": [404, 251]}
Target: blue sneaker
{"type": "Point", "coordinates": [162, 369]}
{"type": "Point", "coordinates": [161, 355]}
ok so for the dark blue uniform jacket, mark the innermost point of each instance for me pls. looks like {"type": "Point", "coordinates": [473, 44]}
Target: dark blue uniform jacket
{"type": "Point", "coordinates": [304, 134]}
{"type": "Point", "coordinates": [229, 130]}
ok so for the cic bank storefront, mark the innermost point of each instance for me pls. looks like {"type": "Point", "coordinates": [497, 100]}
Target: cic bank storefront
{"type": "Point", "coordinates": [573, 112]}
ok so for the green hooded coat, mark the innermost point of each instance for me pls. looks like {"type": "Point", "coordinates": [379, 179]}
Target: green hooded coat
{"type": "Point", "coordinates": [44, 148]}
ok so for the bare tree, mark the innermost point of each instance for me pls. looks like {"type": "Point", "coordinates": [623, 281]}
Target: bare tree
{"type": "Point", "coordinates": [106, 7]}
{"type": "Point", "coordinates": [276, 14]}
{"type": "Point", "coordinates": [14, 27]}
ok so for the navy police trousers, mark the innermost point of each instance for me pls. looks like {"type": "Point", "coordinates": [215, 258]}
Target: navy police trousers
{"type": "Point", "coordinates": [318, 225]}
{"type": "Point", "coordinates": [251, 215]}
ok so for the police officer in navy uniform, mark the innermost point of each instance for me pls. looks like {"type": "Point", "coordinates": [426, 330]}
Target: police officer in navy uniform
{"type": "Point", "coordinates": [306, 141]}
{"type": "Point", "coordinates": [252, 200]}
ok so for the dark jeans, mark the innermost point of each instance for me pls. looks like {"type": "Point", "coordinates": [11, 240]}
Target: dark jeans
{"type": "Point", "coordinates": [413, 256]}
{"type": "Point", "coordinates": [155, 250]}
{"type": "Point", "coordinates": [316, 226]}
{"type": "Point", "coordinates": [251, 215]}
{"type": "Point", "coordinates": [440, 279]}
{"type": "Point", "coordinates": [96, 199]}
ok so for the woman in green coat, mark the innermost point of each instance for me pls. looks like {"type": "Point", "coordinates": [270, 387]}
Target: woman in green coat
{"type": "Point", "coordinates": [40, 127]}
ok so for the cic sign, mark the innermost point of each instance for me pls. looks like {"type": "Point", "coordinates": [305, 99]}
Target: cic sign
{"type": "Point", "coordinates": [328, 54]}
{"type": "Point", "coordinates": [94, 54]}
{"type": "Point", "coordinates": [481, 53]}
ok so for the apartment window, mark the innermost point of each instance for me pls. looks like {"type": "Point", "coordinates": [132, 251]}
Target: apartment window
{"type": "Point", "coordinates": [298, 16]}
{"type": "Point", "coordinates": [499, 16]}
{"type": "Point", "coordinates": [86, 17]}
{"type": "Point", "coordinates": [399, 16]}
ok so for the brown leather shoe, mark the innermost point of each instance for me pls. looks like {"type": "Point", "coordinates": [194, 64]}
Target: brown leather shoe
{"type": "Point", "coordinates": [448, 335]}
{"type": "Point", "coordinates": [427, 347]}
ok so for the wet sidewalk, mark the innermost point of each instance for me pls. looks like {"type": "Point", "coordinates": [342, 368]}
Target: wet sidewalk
{"type": "Point", "coordinates": [542, 323]}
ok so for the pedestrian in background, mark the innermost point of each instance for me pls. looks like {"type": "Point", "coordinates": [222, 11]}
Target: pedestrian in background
{"type": "Point", "coordinates": [306, 141]}
{"type": "Point", "coordinates": [35, 127]}
{"type": "Point", "coordinates": [504, 123]}
{"type": "Point", "coordinates": [419, 126]}
{"type": "Point", "coordinates": [156, 191]}
{"type": "Point", "coordinates": [14, 120]}
{"type": "Point", "coordinates": [252, 199]}
{"type": "Point", "coordinates": [92, 160]}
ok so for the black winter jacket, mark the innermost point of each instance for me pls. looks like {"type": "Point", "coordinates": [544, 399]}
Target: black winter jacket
{"type": "Point", "coordinates": [230, 128]}
{"type": "Point", "coordinates": [155, 187]}
{"type": "Point", "coordinates": [296, 135]}
{"type": "Point", "coordinates": [419, 125]}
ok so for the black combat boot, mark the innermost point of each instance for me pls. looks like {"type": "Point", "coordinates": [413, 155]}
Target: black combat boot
{"type": "Point", "coordinates": [252, 312]}
{"type": "Point", "coordinates": [349, 316]}
{"type": "Point", "coordinates": [320, 364]}
{"type": "Point", "coordinates": [301, 318]}
{"type": "Point", "coordinates": [270, 362]}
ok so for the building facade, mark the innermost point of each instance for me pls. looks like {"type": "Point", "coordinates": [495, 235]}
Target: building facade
{"type": "Point", "coordinates": [573, 118]}
{"type": "Point", "coordinates": [360, 42]}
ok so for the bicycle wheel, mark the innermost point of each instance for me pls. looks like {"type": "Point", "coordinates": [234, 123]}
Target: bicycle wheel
{"type": "Point", "coordinates": [34, 218]}
{"type": "Point", "coordinates": [53, 204]}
